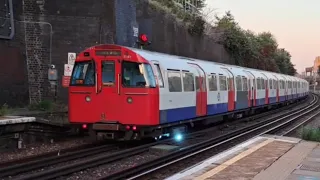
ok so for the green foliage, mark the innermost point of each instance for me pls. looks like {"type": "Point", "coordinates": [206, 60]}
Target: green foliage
{"type": "Point", "coordinates": [194, 22]}
{"type": "Point", "coordinates": [252, 50]}
{"type": "Point", "coordinates": [4, 110]}
{"type": "Point", "coordinates": [42, 106]}
{"type": "Point", "coordinates": [311, 134]}
{"type": "Point", "coordinates": [197, 26]}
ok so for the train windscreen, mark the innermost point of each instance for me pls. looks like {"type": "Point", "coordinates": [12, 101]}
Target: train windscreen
{"type": "Point", "coordinates": [137, 75]}
{"type": "Point", "coordinates": [83, 74]}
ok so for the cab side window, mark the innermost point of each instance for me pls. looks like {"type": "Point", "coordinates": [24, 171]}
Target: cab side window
{"type": "Point", "coordinates": [159, 75]}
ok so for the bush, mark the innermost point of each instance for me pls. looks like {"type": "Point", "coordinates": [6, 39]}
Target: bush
{"type": "Point", "coordinates": [44, 105]}
{"type": "Point", "coordinates": [311, 134]}
{"type": "Point", "coordinates": [4, 110]}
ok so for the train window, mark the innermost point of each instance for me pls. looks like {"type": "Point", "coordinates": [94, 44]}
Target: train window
{"type": "Point", "coordinates": [108, 73]}
{"type": "Point", "coordinates": [213, 85]}
{"type": "Point", "coordinates": [280, 84]}
{"type": "Point", "coordinates": [188, 82]}
{"type": "Point", "coordinates": [245, 83]}
{"type": "Point", "coordinates": [137, 75]}
{"type": "Point", "coordinates": [223, 83]}
{"type": "Point", "coordinates": [83, 74]}
{"type": "Point", "coordinates": [174, 79]}
{"type": "Point", "coordinates": [229, 83]}
{"type": "Point", "coordinates": [238, 83]}
{"type": "Point", "coordinates": [159, 75]}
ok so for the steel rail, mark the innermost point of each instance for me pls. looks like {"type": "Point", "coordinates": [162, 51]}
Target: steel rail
{"type": "Point", "coordinates": [93, 162]}
{"type": "Point", "coordinates": [184, 153]}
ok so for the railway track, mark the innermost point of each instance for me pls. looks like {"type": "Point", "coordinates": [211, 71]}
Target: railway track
{"type": "Point", "coordinates": [28, 170]}
{"type": "Point", "coordinates": [264, 127]}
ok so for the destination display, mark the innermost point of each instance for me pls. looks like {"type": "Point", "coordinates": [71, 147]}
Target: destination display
{"type": "Point", "coordinates": [108, 53]}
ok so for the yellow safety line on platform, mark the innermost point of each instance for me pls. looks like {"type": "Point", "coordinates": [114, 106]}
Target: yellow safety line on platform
{"type": "Point", "coordinates": [232, 160]}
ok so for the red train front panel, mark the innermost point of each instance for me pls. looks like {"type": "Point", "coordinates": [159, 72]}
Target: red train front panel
{"type": "Point", "coordinates": [113, 85]}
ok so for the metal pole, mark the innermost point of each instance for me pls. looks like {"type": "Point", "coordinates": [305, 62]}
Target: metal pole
{"type": "Point", "coordinates": [12, 31]}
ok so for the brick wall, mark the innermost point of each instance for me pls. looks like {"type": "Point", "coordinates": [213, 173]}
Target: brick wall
{"type": "Point", "coordinates": [170, 35]}
{"type": "Point", "coordinates": [46, 30]}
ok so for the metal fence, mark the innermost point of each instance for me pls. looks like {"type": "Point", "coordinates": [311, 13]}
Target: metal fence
{"type": "Point", "coordinates": [188, 5]}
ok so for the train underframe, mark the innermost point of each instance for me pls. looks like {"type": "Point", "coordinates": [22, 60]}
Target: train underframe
{"type": "Point", "coordinates": [120, 132]}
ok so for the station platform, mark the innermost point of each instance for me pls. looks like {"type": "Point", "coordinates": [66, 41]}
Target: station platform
{"type": "Point", "coordinates": [6, 120]}
{"type": "Point", "coordinates": [265, 157]}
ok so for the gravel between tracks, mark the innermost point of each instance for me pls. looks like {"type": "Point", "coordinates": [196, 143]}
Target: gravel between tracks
{"type": "Point", "coordinates": [109, 168]}
{"type": "Point", "coordinates": [38, 149]}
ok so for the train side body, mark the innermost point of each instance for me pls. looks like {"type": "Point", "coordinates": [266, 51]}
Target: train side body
{"type": "Point", "coordinates": [136, 91]}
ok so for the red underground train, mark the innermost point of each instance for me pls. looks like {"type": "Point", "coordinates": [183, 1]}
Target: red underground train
{"type": "Point", "coordinates": [124, 93]}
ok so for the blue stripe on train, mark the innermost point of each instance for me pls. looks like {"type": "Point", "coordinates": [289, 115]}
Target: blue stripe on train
{"type": "Point", "coordinates": [213, 109]}
{"type": "Point", "coordinates": [282, 98]}
{"type": "Point", "coordinates": [272, 100]}
{"type": "Point", "coordinates": [178, 114]}
{"type": "Point", "coordinates": [260, 102]}
{"type": "Point", "coordinates": [241, 105]}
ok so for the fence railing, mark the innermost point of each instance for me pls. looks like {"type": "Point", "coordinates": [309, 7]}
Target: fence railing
{"type": "Point", "coordinates": [188, 5]}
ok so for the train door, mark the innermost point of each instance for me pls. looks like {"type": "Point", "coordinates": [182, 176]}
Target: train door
{"type": "Point", "coordinates": [276, 85]}
{"type": "Point", "coordinates": [231, 90]}
{"type": "Point", "coordinates": [201, 90]}
{"type": "Point", "coordinates": [266, 85]}
{"type": "Point", "coordinates": [109, 88]}
{"type": "Point", "coordinates": [285, 88]}
{"type": "Point", "coordinates": [251, 89]}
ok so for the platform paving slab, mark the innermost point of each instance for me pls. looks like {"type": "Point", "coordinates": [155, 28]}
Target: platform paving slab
{"type": "Point", "coordinates": [258, 158]}
{"type": "Point", "coordinates": [16, 120]}
{"type": "Point", "coordinates": [248, 165]}
{"type": "Point", "coordinates": [282, 168]}
{"type": "Point", "coordinates": [229, 163]}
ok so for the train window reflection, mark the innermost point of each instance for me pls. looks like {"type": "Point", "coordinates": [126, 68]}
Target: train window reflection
{"type": "Point", "coordinates": [83, 74]}
{"type": "Point", "coordinates": [108, 73]}
{"type": "Point", "coordinates": [174, 79]}
{"type": "Point", "coordinates": [137, 75]}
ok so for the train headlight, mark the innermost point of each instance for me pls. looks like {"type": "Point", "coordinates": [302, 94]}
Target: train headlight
{"type": "Point", "coordinates": [88, 98]}
{"type": "Point", "coordinates": [129, 100]}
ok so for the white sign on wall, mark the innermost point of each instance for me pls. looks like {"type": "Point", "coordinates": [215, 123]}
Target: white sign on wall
{"type": "Point", "coordinates": [71, 58]}
{"type": "Point", "coordinates": [135, 31]}
{"type": "Point", "coordinates": [68, 69]}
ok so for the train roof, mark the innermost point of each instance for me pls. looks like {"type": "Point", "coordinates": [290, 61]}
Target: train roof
{"type": "Point", "coordinates": [151, 55]}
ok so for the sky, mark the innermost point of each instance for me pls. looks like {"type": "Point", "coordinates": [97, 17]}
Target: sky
{"type": "Point", "coordinates": [294, 23]}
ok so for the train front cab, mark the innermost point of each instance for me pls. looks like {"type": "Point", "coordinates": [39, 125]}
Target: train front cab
{"type": "Point", "coordinates": [112, 92]}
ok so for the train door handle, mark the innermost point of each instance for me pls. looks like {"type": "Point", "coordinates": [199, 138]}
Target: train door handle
{"type": "Point", "coordinates": [118, 88]}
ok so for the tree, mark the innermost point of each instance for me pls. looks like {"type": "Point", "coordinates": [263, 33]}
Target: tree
{"type": "Point", "coordinates": [250, 50]}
